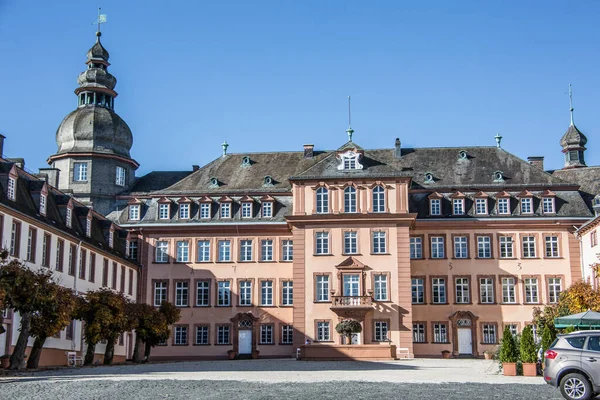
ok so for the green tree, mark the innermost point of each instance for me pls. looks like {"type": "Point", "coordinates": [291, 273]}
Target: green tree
{"type": "Point", "coordinates": [24, 293]}
{"type": "Point", "coordinates": [508, 348]}
{"type": "Point", "coordinates": [158, 326]}
{"type": "Point", "coordinates": [548, 336]}
{"type": "Point", "coordinates": [121, 321]}
{"type": "Point", "coordinates": [143, 313]}
{"type": "Point", "coordinates": [55, 313]}
{"type": "Point", "coordinates": [527, 346]}
{"type": "Point", "coordinates": [348, 327]}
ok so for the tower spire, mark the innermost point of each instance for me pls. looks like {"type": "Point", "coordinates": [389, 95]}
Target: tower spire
{"type": "Point", "coordinates": [571, 103]}
{"type": "Point", "coordinates": [349, 131]}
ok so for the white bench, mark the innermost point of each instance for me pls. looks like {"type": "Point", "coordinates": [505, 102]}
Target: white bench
{"type": "Point", "coordinates": [73, 359]}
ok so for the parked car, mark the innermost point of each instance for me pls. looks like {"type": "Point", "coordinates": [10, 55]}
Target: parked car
{"type": "Point", "coordinates": [573, 363]}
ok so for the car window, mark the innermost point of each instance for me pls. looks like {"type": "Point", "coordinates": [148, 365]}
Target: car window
{"type": "Point", "coordinates": [553, 343]}
{"type": "Point", "coordinates": [594, 343]}
{"type": "Point", "coordinates": [576, 342]}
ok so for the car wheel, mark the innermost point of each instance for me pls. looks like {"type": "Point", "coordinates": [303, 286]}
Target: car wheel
{"type": "Point", "coordinates": [575, 386]}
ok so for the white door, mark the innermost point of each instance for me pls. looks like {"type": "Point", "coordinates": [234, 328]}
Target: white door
{"type": "Point", "coordinates": [3, 340]}
{"type": "Point", "coordinates": [465, 345]}
{"type": "Point", "coordinates": [245, 341]}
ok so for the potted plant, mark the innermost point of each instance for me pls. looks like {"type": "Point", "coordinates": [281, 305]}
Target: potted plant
{"type": "Point", "coordinates": [348, 327]}
{"type": "Point", "coordinates": [488, 355]}
{"type": "Point", "coordinates": [4, 361]}
{"type": "Point", "coordinates": [508, 353]}
{"type": "Point", "coordinates": [255, 354]}
{"type": "Point", "coordinates": [231, 354]}
{"type": "Point", "coordinates": [528, 353]}
{"type": "Point", "coordinates": [446, 353]}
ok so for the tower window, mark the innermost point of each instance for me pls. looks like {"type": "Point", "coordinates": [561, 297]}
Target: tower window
{"type": "Point", "coordinates": [573, 155]}
{"type": "Point", "coordinates": [80, 172]}
{"type": "Point", "coordinates": [120, 177]}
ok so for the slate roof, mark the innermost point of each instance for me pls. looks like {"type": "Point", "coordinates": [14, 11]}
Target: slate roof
{"type": "Point", "coordinates": [27, 201]}
{"type": "Point", "coordinates": [587, 177]}
{"type": "Point", "coordinates": [158, 180]}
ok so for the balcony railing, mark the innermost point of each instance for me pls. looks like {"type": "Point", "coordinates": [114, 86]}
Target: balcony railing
{"type": "Point", "coordinates": [351, 301]}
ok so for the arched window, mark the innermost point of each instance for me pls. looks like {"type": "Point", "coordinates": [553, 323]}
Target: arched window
{"type": "Point", "coordinates": [378, 199]}
{"type": "Point", "coordinates": [322, 200]}
{"type": "Point", "coordinates": [350, 199]}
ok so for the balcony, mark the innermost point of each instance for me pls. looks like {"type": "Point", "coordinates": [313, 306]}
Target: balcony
{"type": "Point", "coordinates": [351, 306]}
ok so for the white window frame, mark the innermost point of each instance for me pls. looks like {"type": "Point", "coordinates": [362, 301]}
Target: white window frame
{"type": "Point", "coordinates": [69, 217]}
{"type": "Point", "coordinates": [532, 290]}
{"type": "Point", "coordinates": [223, 334]}
{"type": "Point", "coordinates": [134, 212]}
{"type": "Point", "coordinates": [418, 333]}
{"type": "Point", "coordinates": [247, 209]}
{"type": "Point", "coordinates": [246, 250]}
{"type": "Point", "coordinates": [462, 290]}
{"type": "Point", "coordinates": [223, 293]}
{"type": "Point", "coordinates": [160, 293]}
{"type": "Point", "coordinates": [435, 207]}
{"type": "Point", "coordinates": [440, 333]}
{"type": "Point", "coordinates": [322, 199]}
{"type": "Point", "coordinates": [224, 250]}
{"type": "Point", "coordinates": [287, 293]}
{"type": "Point", "coordinates": [266, 293]}
{"type": "Point", "coordinates": [120, 176]}
{"type": "Point", "coordinates": [437, 247]}
{"type": "Point", "coordinates": [184, 211]}
{"type": "Point", "coordinates": [42, 204]}
{"type": "Point", "coordinates": [267, 209]}
{"type": "Point", "coordinates": [323, 331]}
{"type": "Point", "coordinates": [322, 287]}
{"type": "Point", "coordinates": [484, 247]}
{"type": "Point", "coordinates": [506, 247]}
{"type": "Point", "coordinates": [438, 291]}
{"type": "Point", "coordinates": [378, 197]}
{"type": "Point", "coordinates": [481, 206]}
{"type": "Point", "coordinates": [489, 334]}
{"type": "Point", "coordinates": [245, 293]}
{"type": "Point", "coordinates": [162, 251]}
{"type": "Point", "coordinates": [509, 291]}
{"type": "Point", "coordinates": [417, 286]}
{"type": "Point", "coordinates": [266, 334]}
{"type": "Point", "coordinates": [205, 211]}
{"type": "Point", "coordinates": [322, 243]}
{"type": "Point", "coordinates": [203, 249]}
{"type": "Point", "coordinates": [225, 210]}
{"type": "Point", "coordinates": [380, 286]}
{"type": "Point", "coordinates": [379, 242]}
{"type": "Point", "coordinates": [203, 293]}
{"type": "Point", "coordinates": [350, 242]}
{"type": "Point", "coordinates": [461, 248]}
{"type": "Point", "coordinates": [11, 188]}
{"type": "Point", "coordinates": [350, 199]}
{"type": "Point", "coordinates": [183, 251]}
{"type": "Point", "coordinates": [180, 335]}
{"type": "Point", "coordinates": [287, 247]}
{"type": "Point", "coordinates": [528, 246]}
{"type": "Point", "coordinates": [554, 289]}
{"type": "Point", "coordinates": [416, 247]}
{"type": "Point", "coordinates": [458, 206]}
{"type": "Point", "coordinates": [202, 333]}
{"type": "Point", "coordinates": [526, 205]}
{"type": "Point", "coordinates": [486, 290]}
{"type": "Point", "coordinates": [551, 246]}
{"type": "Point", "coordinates": [503, 205]}
{"type": "Point", "coordinates": [266, 250]}
{"type": "Point", "coordinates": [182, 294]}
{"type": "Point", "coordinates": [548, 205]}
{"type": "Point", "coordinates": [164, 211]}
{"type": "Point", "coordinates": [381, 329]}
{"type": "Point", "coordinates": [80, 172]}
{"type": "Point", "coordinates": [287, 334]}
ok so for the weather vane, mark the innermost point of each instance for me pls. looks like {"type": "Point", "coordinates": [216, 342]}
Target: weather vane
{"type": "Point", "coordinates": [101, 19]}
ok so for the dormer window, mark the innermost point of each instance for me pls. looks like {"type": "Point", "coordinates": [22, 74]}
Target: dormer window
{"type": "Point", "coordinates": [43, 204]}
{"type": "Point", "coordinates": [214, 183]}
{"type": "Point", "coordinates": [428, 178]}
{"type": "Point", "coordinates": [10, 192]}
{"type": "Point", "coordinates": [69, 217]}
{"type": "Point", "coordinates": [247, 209]}
{"type": "Point", "coordinates": [526, 205]}
{"type": "Point", "coordinates": [225, 210]}
{"type": "Point", "coordinates": [204, 210]}
{"type": "Point", "coordinates": [435, 207]}
{"type": "Point", "coordinates": [503, 205]}
{"type": "Point", "coordinates": [164, 211]}
{"type": "Point", "coordinates": [573, 155]}
{"type": "Point", "coordinates": [498, 177]}
{"type": "Point", "coordinates": [349, 161]}
{"type": "Point", "coordinates": [134, 212]}
{"type": "Point", "coordinates": [548, 205]}
{"type": "Point", "coordinates": [111, 238]}
{"type": "Point", "coordinates": [268, 181]}
{"type": "Point", "coordinates": [245, 161]}
{"type": "Point", "coordinates": [458, 206]}
{"type": "Point", "coordinates": [88, 228]}
{"type": "Point", "coordinates": [267, 209]}
{"type": "Point", "coordinates": [184, 211]}
{"type": "Point", "coordinates": [462, 155]}
{"type": "Point", "coordinates": [481, 206]}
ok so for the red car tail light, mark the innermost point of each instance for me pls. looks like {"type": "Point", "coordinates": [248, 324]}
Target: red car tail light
{"type": "Point", "coordinates": [550, 354]}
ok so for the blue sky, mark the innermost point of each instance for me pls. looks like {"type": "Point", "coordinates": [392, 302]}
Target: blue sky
{"type": "Point", "coordinates": [273, 75]}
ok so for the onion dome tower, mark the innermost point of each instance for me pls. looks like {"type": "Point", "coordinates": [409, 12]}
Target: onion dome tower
{"type": "Point", "coordinates": [573, 142]}
{"type": "Point", "coordinates": [93, 141]}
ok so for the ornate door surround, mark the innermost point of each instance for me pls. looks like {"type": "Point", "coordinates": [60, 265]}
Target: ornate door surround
{"type": "Point", "coordinates": [461, 320]}
{"type": "Point", "coordinates": [244, 321]}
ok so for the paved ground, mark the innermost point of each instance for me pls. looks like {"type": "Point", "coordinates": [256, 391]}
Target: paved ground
{"type": "Point", "coordinates": [266, 379]}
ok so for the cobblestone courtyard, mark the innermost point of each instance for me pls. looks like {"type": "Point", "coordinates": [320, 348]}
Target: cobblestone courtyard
{"type": "Point", "coordinates": [290, 379]}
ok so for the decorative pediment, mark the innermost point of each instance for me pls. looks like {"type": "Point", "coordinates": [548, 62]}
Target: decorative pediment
{"type": "Point", "coordinates": [225, 199]}
{"type": "Point", "coordinates": [320, 185]}
{"type": "Point", "coordinates": [247, 316]}
{"type": "Point", "coordinates": [44, 190]}
{"type": "Point", "coordinates": [134, 201]}
{"type": "Point", "coordinates": [435, 195]}
{"type": "Point", "coordinates": [184, 200]}
{"type": "Point", "coordinates": [266, 198]}
{"type": "Point", "coordinates": [351, 263]}
{"type": "Point", "coordinates": [90, 214]}
{"type": "Point", "coordinates": [349, 160]}
{"type": "Point", "coordinates": [457, 195]}
{"type": "Point", "coordinates": [163, 200]}
{"type": "Point", "coordinates": [246, 199]}
{"type": "Point", "coordinates": [548, 193]}
{"type": "Point", "coordinates": [525, 193]}
{"type": "Point", "coordinates": [481, 195]}
{"type": "Point", "coordinates": [14, 171]}
{"type": "Point", "coordinates": [503, 193]}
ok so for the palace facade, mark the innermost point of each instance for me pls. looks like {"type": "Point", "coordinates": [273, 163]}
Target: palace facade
{"type": "Point", "coordinates": [430, 249]}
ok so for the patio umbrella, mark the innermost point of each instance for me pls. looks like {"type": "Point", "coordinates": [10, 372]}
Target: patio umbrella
{"type": "Point", "coordinates": [588, 319]}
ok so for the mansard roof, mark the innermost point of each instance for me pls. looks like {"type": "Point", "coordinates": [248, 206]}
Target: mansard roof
{"type": "Point", "coordinates": [27, 202]}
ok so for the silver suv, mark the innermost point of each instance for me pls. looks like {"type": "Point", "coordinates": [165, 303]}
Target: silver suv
{"type": "Point", "coordinates": [573, 363]}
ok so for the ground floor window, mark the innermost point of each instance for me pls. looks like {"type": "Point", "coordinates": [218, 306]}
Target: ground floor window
{"type": "Point", "coordinates": [419, 333]}
{"type": "Point", "coordinates": [266, 334]}
{"type": "Point", "coordinates": [287, 334]}
{"type": "Point", "coordinates": [180, 338]}
{"type": "Point", "coordinates": [202, 335]}
{"type": "Point", "coordinates": [323, 331]}
{"type": "Point", "coordinates": [489, 334]}
{"type": "Point", "coordinates": [512, 328]}
{"type": "Point", "coordinates": [223, 334]}
{"type": "Point", "coordinates": [381, 331]}
{"type": "Point", "coordinates": [440, 333]}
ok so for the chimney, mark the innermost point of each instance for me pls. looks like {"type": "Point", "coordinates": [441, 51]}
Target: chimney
{"type": "Point", "coordinates": [51, 175]}
{"type": "Point", "coordinates": [2, 137]}
{"type": "Point", "coordinates": [195, 168]}
{"type": "Point", "coordinates": [397, 149]}
{"type": "Point", "coordinates": [536, 162]}
{"type": "Point", "coordinates": [309, 150]}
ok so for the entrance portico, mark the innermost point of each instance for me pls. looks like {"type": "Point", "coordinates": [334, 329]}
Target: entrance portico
{"type": "Point", "coordinates": [464, 332]}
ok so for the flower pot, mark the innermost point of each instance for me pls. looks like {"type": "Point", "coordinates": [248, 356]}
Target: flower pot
{"type": "Point", "coordinates": [446, 354]}
{"type": "Point", "coordinates": [510, 369]}
{"type": "Point", "coordinates": [487, 355]}
{"type": "Point", "coordinates": [231, 354]}
{"type": "Point", "coordinates": [4, 362]}
{"type": "Point", "coordinates": [529, 369]}
{"type": "Point", "coordinates": [255, 354]}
